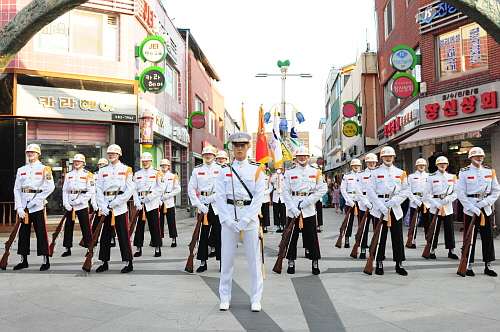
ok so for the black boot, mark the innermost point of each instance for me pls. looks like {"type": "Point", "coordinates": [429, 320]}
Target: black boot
{"type": "Point", "coordinates": [400, 269]}
{"type": "Point", "coordinates": [138, 252]}
{"type": "Point", "coordinates": [23, 263]}
{"type": "Point", "coordinates": [315, 268]}
{"type": "Point", "coordinates": [66, 253]}
{"type": "Point", "coordinates": [291, 267]}
{"type": "Point", "coordinates": [452, 255]}
{"type": "Point", "coordinates": [346, 244]}
{"type": "Point", "coordinates": [103, 267]}
{"type": "Point", "coordinates": [202, 268]}
{"type": "Point", "coordinates": [46, 264]}
{"type": "Point", "coordinates": [158, 252]}
{"type": "Point", "coordinates": [128, 267]}
{"type": "Point", "coordinates": [379, 269]}
{"type": "Point", "coordinates": [174, 243]}
{"type": "Point", "coordinates": [488, 270]}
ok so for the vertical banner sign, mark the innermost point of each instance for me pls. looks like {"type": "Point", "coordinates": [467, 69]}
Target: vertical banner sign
{"type": "Point", "coordinates": [147, 129]}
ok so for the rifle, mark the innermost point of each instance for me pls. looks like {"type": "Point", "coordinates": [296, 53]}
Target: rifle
{"type": "Point", "coordinates": [88, 261]}
{"type": "Point", "coordinates": [56, 233]}
{"type": "Point", "coordinates": [283, 246]}
{"type": "Point", "coordinates": [374, 246]}
{"type": "Point", "coordinates": [133, 222]}
{"type": "Point", "coordinates": [196, 234]}
{"type": "Point", "coordinates": [430, 236]}
{"type": "Point", "coordinates": [91, 220]}
{"type": "Point", "coordinates": [467, 250]}
{"type": "Point", "coordinates": [8, 244]}
{"type": "Point", "coordinates": [359, 235]}
{"type": "Point", "coordinates": [261, 237]}
{"type": "Point", "coordinates": [413, 227]}
{"type": "Point", "coordinates": [343, 228]}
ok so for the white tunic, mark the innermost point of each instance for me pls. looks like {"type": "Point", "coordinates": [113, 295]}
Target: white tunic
{"type": "Point", "coordinates": [78, 184]}
{"type": "Point", "coordinates": [474, 180]}
{"type": "Point", "coordinates": [268, 189]}
{"type": "Point", "coordinates": [276, 181]}
{"type": "Point", "coordinates": [115, 177]}
{"type": "Point", "coordinates": [362, 198]}
{"type": "Point", "coordinates": [417, 183]}
{"type": "Point", "coordinates": [350, 187]}
{"type": "Point", "coordinates": [148, 182]}
{"type": "Point", "coordinates": [204, 178]}
{"type": "Point", "coordinates": [172, 188]}
{"type": "Point", "coordinates": [440, 184]}
{"type": "Point", "coordinates": [36, 177]}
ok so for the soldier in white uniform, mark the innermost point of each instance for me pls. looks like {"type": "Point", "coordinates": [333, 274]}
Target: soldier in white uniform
{"type": "Point", "coordinates": [167, 203]}
{"type": "Point", "coordinates": [221, 158]}
{"type": "Point", "coordinates": [114, 187]}
{"type": "Point", "coordinates": [439, 194]}
{"type": "Point", "coordinates": [264, 211]}
{"type": "Point", "coordinates": [387, 189]}
{"type": "Point", "coordinates": [239, 203]}
{"type": "Point", "coordinates": [78, 189]}
{"type": "Point", "coordinates": [417, 182]}
{"type": "Point", "coordinates": [203, 178]}
{"type": "Point", "coordinates": [303, 186]}
{"type": "Point", "coordinates": [477, 189]}
{"type": "Point", "coordinates": [149, 185]}
{"type": "Point", "coordinates": [350, 189]}
{"type": "Point", "coordinates": [279, 210]}
{"type": "Point", "coordinates": [363, 200]}
{"type": "Point", "coordinates": [34, 183]}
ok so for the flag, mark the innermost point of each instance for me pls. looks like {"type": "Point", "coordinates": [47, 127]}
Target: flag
{"type": "Point", "coordinates": [243, 122]}
{"type": "Point", "coordinates": [294, 136]}
{"type": "Point", "coordinates": [276, 144]}
{"type": "Point", "coordinates": [287, 156]}
{"type": "Point", "coordinates": [261, 151]}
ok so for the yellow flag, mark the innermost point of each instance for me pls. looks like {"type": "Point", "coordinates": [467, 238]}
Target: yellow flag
{"type": "Point", "coordinates": [287, 156]}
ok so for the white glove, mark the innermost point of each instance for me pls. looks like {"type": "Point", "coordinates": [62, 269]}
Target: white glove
{"type": "Point", "coordinates": [437, 205]}
{"type": "Point", "coordinates": [476, 211]}
{"type": "Point", "coordinates": [304, 203]}
{"type": "Point", "coordinates": [95, 207]}
{"type": "Point", "coordinates": [165, 197]}
{"type": "Point", "coordinates": [350, 202]}
{"type": "Point", "coordinates": [138, 206]}
{"type": "Point", "coordinates": [112, 204]}
{"type": "Point", "coordinates": [146, 199]}
{"type": "Point", "coordinates": [384, 210]}
{"type": "Point", "coordinates": [295, 212]}
{"type": "Point", "coordinates": [202, 208]}
{"type": "Point", "coordinates": [105, 211]}
{"type": "Point", "coordinates": [389, 204]}
{"type": "Point", "coordinates": [69, 207]}
{"type": "Point", "coordinates": [31, 204]}
{"type": "Point", "coordinates": [242, 223]}
{"type": "Point", "coordinates": [369, 206]}
{"type": "Point", "coordinates": [210, 199]}
{"type": "Point", "coordinates": [21, 213]}
{"type": "Point", "coordinates": [232, 225]}
{"type": "Point", "coordinates": [75, 202]}
{"type": "Point", "coordinates": [417, 202]}
{"type": "Point", "coordinates": [481, 204]}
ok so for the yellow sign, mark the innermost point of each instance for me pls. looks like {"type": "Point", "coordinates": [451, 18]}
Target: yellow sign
{"type": "Point", "coordinates": [350, 128]}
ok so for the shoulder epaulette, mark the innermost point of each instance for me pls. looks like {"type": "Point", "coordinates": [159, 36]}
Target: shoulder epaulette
{"type": "Point", "coordinates": [253, 162]}
{"type": "Point", "coordinates": [487, 167]}
{"type": "Point", "coordinates": [377, 167]}
{"type": "Point", "coordinates": [432, 174]}
{"type": "Point", "coordinates": [85, 171]}
{"type": "Point", "coordinates": [198, 165]}
{"type": "Point", "coordinates": [465, 168]}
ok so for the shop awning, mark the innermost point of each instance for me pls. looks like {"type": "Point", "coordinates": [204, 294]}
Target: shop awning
{"type": "Point", "coordinates": [446, 134]}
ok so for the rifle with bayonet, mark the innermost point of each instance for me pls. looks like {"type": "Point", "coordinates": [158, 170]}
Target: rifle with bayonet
{"type": "Point", "coordinates": [343, 227]}
{"type": "Point", "coordinates": [196, 234]}
{"type": "Point", "coordinates": [359, 235]}
{"type": "Point", "coordinates": [283, 246]}
{"type": "Point", "coordinates": [467, 248]}
{"type": "Point", "coordinates": [8, 245]}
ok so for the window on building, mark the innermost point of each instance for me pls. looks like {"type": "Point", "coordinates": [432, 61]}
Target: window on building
{"type": "Point", "coordinates": [462, 51]}
{"type": "Point", "coordinates": [211, 121]}
{"type": "Point", "coordinates": [198, 105]}
{"type": "Point", "coordinates": [80, 32]}
{"type": "Point", "coordinates": [171, 77]}
{"type": "Point", "coordinates": [390, 100]}
{"type": "Point", "coordinates": [389, 17]}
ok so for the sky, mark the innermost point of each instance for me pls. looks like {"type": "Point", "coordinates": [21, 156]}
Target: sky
{"type": "Point", "coordinates": [243, 38]}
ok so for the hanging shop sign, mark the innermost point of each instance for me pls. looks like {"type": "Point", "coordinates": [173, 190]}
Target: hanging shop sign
{"type": "Point", "coordinates": [351, 128]}
{"type": "Point", "coordinates": [350, 109]}
{"type": "Point", "coordinates": [404, 86]}
{"type": "Point", "coordinates": [152, 80]}
{"type": "Point", "coordinates": [403, 58]}
{"type": "Point", "coordinates": [437, 15]}
{"type": "Point", "coordinates": [196, 120]}
{"type": "Point", "coordinates": [153, 49]}
{"type": "Point", "coordinates": [460, 104]}
{"type": "Point", "coordinates": [147, 136]}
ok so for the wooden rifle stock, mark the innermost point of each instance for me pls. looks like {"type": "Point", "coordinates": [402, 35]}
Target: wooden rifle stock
{"type": "Point", "coordinates": [413, 225]}
{"type": "Point", "coordinates": [133, 222]}
{"type": "Point", "coordinates": [374, 246]}
{"type": "Point", "coordinates": [462, 267]}
{"type": "Point", "coordinates": [430, 236]}
{"type": "Point", "coordinates": [196, 234]}
{"type": "Point", "coordinates": [359, 234]}
{"type": "Point", "coordinates": [8, 244]}
{"type": "Point", "coordinates": [343, 228]}
{"type": "Point", "coordinates": [283, 246]}
{"type": "Point", "coordinates": [56, 233]}
{"type": "Point", "coordinates": [88, 261]}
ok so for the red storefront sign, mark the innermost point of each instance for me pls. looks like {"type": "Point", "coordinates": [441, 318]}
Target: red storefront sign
{"type": "Point", "coordinates": [403, 87]}
{"type": "Point", "coordinates": [464, 102]}
{"type": "Point", "coordinates": [397, 124]}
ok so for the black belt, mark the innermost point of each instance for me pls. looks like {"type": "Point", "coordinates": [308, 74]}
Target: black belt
{"type": "Point", "coordinates": [143, 193]}
{"type": "Point", "coordinates": [352, 192]}
{"type": "Point", "coordinates": [384, 196]}
{"type": "Point", "coordinates": [112, 193]}
{"type": "Point", "coordinates": [296, 193]}
{"type": "Point", "coordinates": [78, 191]}
{"type": "Point", "coordinates": [440, 196]}
{"type": "Point", "coordinates": [364, 192]}
{"type": "Point", "coordinates": [238, 202]}
{"type": "Point", "coordinates": [206, 193]}
{"type": "Point", "coordinates": [31, 191]}
{"type": "Point", "coordinates": [479, 195]}
{"type": "Point", "coordinates": [418, 194]}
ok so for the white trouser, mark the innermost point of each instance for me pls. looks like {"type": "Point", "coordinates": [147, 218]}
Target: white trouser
{"type": "Point", "coordinates": [229, 240]}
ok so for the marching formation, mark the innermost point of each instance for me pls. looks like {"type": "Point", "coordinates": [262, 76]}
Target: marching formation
{"type": "Point", "coordinates": [232, 199]}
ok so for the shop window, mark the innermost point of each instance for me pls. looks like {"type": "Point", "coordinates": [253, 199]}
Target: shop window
{"type": "Point", "coordinates": [211, 121]}
{"type": "Point", "coordinates": [198, 105]}
{"type": "Point", "coordinates": [80, 32]}
{"type": "Point", "coordinates": [389, 17]}
{"type": "Point", "coordinates": [390, 100]}
{"type": "Point", "coordinates": [462, 51]}
{"type": "Point", "coordinates": [171, 77]}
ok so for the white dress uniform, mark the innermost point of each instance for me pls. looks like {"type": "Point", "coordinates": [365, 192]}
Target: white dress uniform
{"type": "Point", "coordinates": [276, 181]}
{"type": "Point", "coordinates": [268, 189]}
{"type": "Point", "coordinates": [172, 189]}
{"type": "Point", "coordinates": [417, 183]}
{"type": "Point", "coordinates": [350, 189]}
{"type": "Point", "coordinates": [279, 209]}
{"type": "Point", "coordinates": [114, 187]}
{"type": "Point", "coordinates": [150, 184]}
{"type": "Point", "coordinates": [34, 183]}
{"type": "Point", "coordinates": [363, 200]}
{"type": "Point", "coordinates": [247, 217]}
{"type": "Point", "coordinates": [79, 188]}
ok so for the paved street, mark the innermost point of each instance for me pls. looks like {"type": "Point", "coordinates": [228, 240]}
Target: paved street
{"type": "Point", "coordinates": [159, 296]}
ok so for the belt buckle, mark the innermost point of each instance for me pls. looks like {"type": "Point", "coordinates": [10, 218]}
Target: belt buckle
{"type": "Point", "coordinates": [239, 203]}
